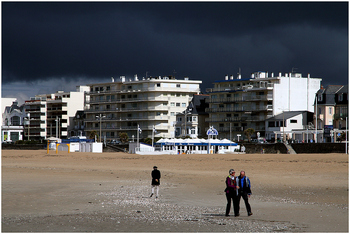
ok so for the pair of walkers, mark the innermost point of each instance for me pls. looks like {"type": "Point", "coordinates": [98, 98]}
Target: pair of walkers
{"type": "Point", "coordinates": [237, 188]}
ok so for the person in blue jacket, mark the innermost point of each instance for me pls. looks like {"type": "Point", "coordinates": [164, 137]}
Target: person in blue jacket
{"type": "Point", "coordinates": [244, 191]}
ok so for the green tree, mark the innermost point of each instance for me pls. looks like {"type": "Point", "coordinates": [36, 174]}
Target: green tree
{"type": "Point", "coordinates": [124, 138]}
{"type": "Point", "coordinates": [148, 141]}
{"type": "Point", "coordinates": [249, 132]}
{"type": "Point", "coordinates": [93, 134]}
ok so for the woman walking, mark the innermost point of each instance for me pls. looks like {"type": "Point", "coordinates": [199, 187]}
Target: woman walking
{"type": "Point", "coordinates": [231, 193]}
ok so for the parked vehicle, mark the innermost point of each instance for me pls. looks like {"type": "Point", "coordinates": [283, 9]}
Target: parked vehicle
{"type": "Point", "coordinates": [115, 142]}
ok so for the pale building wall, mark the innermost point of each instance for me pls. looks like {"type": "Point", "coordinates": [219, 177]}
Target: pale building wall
{"type": "Point", "coordinates": [295, 94]}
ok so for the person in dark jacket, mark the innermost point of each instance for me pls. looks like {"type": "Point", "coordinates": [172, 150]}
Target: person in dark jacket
{"type": "Point", "coordinates": [244, 191]}
{"type": "Point", "coordinates": [231, 193]}
{"type": "Point", "coordinates": [155, 180]}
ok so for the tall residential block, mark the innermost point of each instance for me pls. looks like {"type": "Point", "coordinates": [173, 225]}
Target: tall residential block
{"type": "Point", "coordinates": [126, 103]}
{"type": "Point", "coordinates": [51, 115]}
{"type": "Point", "coordinates": [236, 104]}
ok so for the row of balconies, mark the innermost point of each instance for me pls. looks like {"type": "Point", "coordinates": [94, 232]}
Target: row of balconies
{"type": "Point", "coordinates": [241, 99]}
{"type": "Point", "coordinates": [155, 108]}
{"type": "Point", "coordinates": [239, 109]}
{"type": "Point", "coordinates": [148, 89]}
{"type": "Point", "coordinates": [123, 100]}
{"type": "Point", "coordinates": [143, 128]}
{"type": "Point", "coordinates": [236, 119]}
{"type": "Point", "coordinates": [253, 87]}
{"type": "Point", "coordinates": [127, 118]}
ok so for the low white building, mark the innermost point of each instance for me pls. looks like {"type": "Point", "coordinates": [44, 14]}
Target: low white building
{"type": "Point", "coordinates": [290, 126]}
{"type": "Point", "coordinates": [196, 146]}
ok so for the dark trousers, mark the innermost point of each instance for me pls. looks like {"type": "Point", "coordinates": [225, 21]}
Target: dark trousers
{"type": "Point", "coordinates": [233, 197]}
{"type": "Point", "coordinates": [244, 195]}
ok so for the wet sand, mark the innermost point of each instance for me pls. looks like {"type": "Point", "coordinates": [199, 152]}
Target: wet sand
{"type": "Point", "coordinates": [109, 192]}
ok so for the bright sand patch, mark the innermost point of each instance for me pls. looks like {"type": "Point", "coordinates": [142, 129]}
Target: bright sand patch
{"type": "Point", "coordinates": [109, 192]}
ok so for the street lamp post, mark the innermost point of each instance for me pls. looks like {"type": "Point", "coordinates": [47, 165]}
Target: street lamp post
{"type": "Point", "coordinates": [283, 123]}
{"type": "Point", "coordinates": [100, 116]}
{"type": "Point", "coordinates": [58, 127]}
{"type": "Point", "coordinates": [186, 113]}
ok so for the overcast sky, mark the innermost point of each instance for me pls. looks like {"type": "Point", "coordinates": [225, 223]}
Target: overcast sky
{"type": "Point", "coordinates": [55, 46]}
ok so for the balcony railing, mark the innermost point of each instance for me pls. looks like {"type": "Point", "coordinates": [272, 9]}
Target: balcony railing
{"type": "Point", "coordinates": [239, 109]}
{"type": "Point", "coordinates": [124, 100]}
{"type": "Point", "coordinates": [144, 128]}
{"type": "Point", "coordinates": [152, 108]}
{"type": "Point", "coordinates": [240, 88]}
{"type": "Point", "coordinates": [240, 99]}
{"type": "Point", "coordinates": [123, 118]}
{"type": "Point", "coordinates": [148, 89]}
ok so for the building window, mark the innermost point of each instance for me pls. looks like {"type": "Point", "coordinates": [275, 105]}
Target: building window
{"type": "Point", "coordinates": [271, 124]}
{"type": "Point", "coordinates": [194, 118]}
{"type": "Point", "coordinates": [108, 88]}
{"type": "Point", "coordinates": [158, 84]}
{"type": "Point", "coordinates": [293, 121]}
{"type": "Point", "coordinates": [330, 110]}
{"type": "Point", "coordinates": [193, 131]}
{"type": "Point", "coordinates": [172, 103]}
{"type": "Point", "coordinates": [178, 104]}
{"type": "Point", "coordinates": [178, 86]}
{"type": "Point", "coordinates": [172, 113]}
{"type": "Point", "coordinates": [340, 97]}
{"type": "Point", "coordinates": [15, 121]}
{"type": "Point", "coordinates": [165, 103]}
{"type": "Point", "coordinates": [158, 113]}
{"type": "Point", "coordinates": [183, 104]}
{"type": "Point", "coordinates": [319, 98]}
{"type": "Point", "coordinates": [179, 119]}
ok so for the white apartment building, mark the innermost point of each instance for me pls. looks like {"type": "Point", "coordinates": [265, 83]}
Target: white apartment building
{"type": "Point", "coordinates": [236, 104]}
{"type": "Point", "coordinates": [126, 103]}
{"type": "Point", "coordinates": [51, 115]}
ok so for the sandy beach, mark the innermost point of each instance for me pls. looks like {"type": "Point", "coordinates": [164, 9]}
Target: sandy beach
{"type": "Point", "coordinates": [109, 192]}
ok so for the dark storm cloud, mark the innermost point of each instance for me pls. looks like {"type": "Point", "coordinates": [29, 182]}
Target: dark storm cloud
{"type": "Point", "coordinates": [42, 41]}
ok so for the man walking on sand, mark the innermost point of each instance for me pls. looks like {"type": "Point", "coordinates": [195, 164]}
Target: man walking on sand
{"type": "Point", "coordinates": [244, 191]}
{"type": "Point", "coordinates": [155, 181]}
